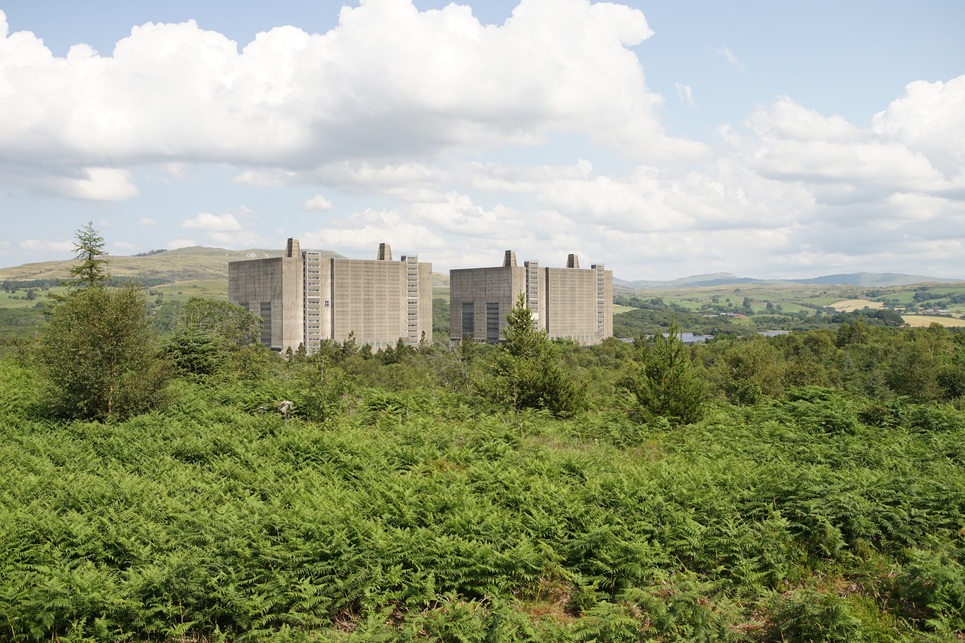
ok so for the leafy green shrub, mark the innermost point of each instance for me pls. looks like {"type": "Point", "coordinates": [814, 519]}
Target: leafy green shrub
{"type": "Point", "coordinates": [750, 369]}
{"type": "Point", "coordinates": [931, 588]}
{"type": "Point", "coordinates": [610, 622]}
{"type": "Point", "coordinates": [678, 609]}
{"type": "Point", "coordinates": [821, 410]}
{"type": "Point", "coordinates": [812, 616]}
{"type": "Point", "coordinates": [18, 389]}
{"type": "Point", "coordinates": [196, 352]}
{"type": "Point", "coordinates": [97, 355]}
{"type": "Point", "coordinates": [318, 391]}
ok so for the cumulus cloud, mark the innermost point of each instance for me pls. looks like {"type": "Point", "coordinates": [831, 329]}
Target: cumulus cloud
{"type": "Point", "coordinates": [147, 222]}
{"type": "Point", "coordinates": [410, 109]}
{"type": "Point", "coordinates": [44, 246]}
{"type": "Point", "coordinates": [388, 81]}
{"type": "Point", "coordinates": [317, 203]}
{"type": "Point", "coordinates": [360, 234]}
{"type": "Point", "coordinates": [831, 154]}
{"type": "Point", "coordinates": [929, 119]}
{"type": "Point", "coordinates": [213, 222]}
{"type": "Point", "coordinates": [102, 184]}
{"type": "Point", "coordinates": [225, 229]}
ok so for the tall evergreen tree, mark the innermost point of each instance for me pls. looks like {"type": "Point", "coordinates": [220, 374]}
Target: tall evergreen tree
{"type": "Point", "coordinates": [89, 250]}
{"type": "Point", "coordinates": [665, 384]}
{"type": "Point", "coordinates": [527, 370]}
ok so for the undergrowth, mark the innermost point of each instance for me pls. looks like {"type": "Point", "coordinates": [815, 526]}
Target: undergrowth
{"type": "Point", "coordinates": [417, 514]}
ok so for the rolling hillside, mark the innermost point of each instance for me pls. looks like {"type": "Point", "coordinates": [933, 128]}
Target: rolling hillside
{"type": "Point", "coordinates": [184, 264]}
{"type": "Point", "coordinates": [202, 263]}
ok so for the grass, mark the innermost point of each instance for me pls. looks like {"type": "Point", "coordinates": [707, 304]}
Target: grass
{"type": "Point", "coordinates": [184, 290]}
{"type": "Point", "coordinates": [851, 305]}
{"type": "Point", "coordinates": [921, 321]}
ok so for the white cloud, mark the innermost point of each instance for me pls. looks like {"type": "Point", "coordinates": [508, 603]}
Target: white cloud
{"type": "Point", "coordinates": [930, 119]}
{"type": "Point", "coordinates": [730, 57]}
{"type": "Point", "coordinates": [389, 81]}
{"type": "Point", "coordinates": [831, 154]}
{"type": "Point", "coordinates": [686, 94]}
{"type": "Point", "coordinates": [98, 184]}
{"type": "Point", "coordinates": [225, 229]}
{"type": "Point", "coordinates": [406, 111]}
{"type": "Point", "coordinates": [317, 203]}
{"type": "Point", "coordinates": [213, 223]}
{"type": "Point", "coordinates": [147, 222]}
{"type": "Point", "coordinates": [44, 246]}
{"type": "Point", "coordinates": [360, 234]}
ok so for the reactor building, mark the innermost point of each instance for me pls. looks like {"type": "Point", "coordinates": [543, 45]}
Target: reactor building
{"type": "Point", "coordinates": [305, 298]}
{"type": "Point", "coordinates": [569, 302]}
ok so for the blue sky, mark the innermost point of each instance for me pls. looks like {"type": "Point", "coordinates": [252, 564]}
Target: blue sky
{"type": "Point", "coordinates": [663, 139]}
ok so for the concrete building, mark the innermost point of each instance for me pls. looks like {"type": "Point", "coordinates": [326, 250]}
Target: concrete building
{"type": "Point", "coordinates": [305, 298]}
{"type": "Point", "coordinates": [566, 302]}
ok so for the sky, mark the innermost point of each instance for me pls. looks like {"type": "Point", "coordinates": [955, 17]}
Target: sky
{"type": "Point", "coordinates": [661, 138]}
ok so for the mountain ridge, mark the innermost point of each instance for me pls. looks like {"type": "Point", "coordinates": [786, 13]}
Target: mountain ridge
{"type": "Point", "coordinates": [866, 279]}
{"type": "Point", "coordinates": [207, 263]}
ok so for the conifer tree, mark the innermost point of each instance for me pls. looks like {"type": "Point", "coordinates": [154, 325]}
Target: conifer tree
{"type": "Point", "coordinates": [665, 385]}
{"type": "Point", "coordinates": [527, 369]}
{"type": "Point", "coordinates": [89, 250]}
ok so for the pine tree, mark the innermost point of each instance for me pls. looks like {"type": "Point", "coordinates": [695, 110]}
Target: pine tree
{"type": "Point", "coordinates": [527, 370]}
{"type": "Point", "coordinates": [665, 385]}
{"type": "Point", "coordinates": [89, 250]}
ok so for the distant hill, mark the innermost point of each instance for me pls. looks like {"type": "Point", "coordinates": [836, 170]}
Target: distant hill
{"type": "Point", "coordinates": [199, 263]}
{"type": "Point", "coordinates": [184, 264]}
{"type": "Point", "coordinates": [874, 279]}
{"type": "Point", "coordinates": [868, 279]}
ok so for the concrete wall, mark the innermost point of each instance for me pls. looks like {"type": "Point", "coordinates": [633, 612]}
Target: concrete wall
{"type": "Point", "coordinates": [484, 289]}
{"type": "Point", "coordinates": [272, 289]}
{"type": "Point", "coordinates": [381, 301]}
{"type": "Point", "coordinates": [257, 286]}
{"type": "Point", "coordinates": [569, 303]}
{"type": "Point", "coordinates": [305, 298]}
{"type": "Point", "coordinates": [292, 297]}
{"type": "Point", "coordinates": [367, 301]}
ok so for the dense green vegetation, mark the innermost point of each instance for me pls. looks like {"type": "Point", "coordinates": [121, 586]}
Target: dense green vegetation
{"type": "Point", "coordinates": [805, 487]}
{"type": "Point", "coordinates": [816, 493]}
{"type": "Point", "coordinates": [651, 315]}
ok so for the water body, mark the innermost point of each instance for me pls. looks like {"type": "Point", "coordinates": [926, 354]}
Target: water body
{"type": "Point", "coordinates": [695, 338]}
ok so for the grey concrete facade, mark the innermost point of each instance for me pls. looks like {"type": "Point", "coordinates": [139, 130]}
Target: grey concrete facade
{"type": "Point", "coordinates": [321, 298]}
{"type": "Point", "coordinates": [569, 302]}
{"type": "Point", "coordinates": [272, 289]}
